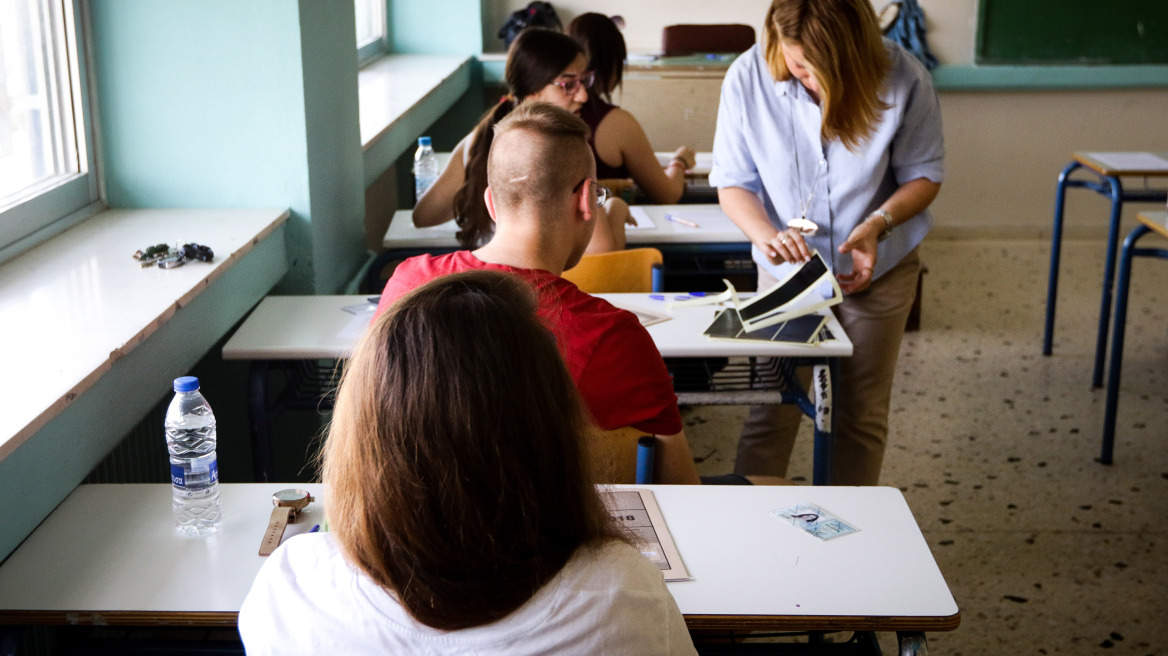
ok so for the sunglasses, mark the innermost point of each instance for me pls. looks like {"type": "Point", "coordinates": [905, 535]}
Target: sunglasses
{"type": "Point", "coordinates": [570, 87]}
{"type": "Point", "coordinates": [600, 193]}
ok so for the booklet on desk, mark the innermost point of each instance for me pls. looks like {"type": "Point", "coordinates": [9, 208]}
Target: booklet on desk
{"type": "Point", "coordinates": [790, 311]}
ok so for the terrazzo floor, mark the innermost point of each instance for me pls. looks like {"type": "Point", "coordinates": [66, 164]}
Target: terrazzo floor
{"type": "Point", "coordinates": [1045, 550]}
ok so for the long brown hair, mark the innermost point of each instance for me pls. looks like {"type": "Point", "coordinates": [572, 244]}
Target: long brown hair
{"type": "Point", "coordinates": [605, 49]}
{"type": "Point", "coordinates": [535, 60]}
{"type": "Point", "coordinates": [455, 459]}
{"type": "Point", "coordinates": [842, 46]}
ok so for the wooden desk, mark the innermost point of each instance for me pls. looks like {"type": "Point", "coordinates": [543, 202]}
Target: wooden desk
{"type": "Point", "coordinates": [108, 556]}
{"type": "Point", "coordinates": [717, 250]}
{"type": "Point", "coordinates": [1106, 183]}
{"type": "Point", "coordinates": [1150, 222]}
{"type": "Point", "coordinates": [287, 330]}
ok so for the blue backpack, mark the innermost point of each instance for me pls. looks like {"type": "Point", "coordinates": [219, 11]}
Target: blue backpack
{"type": "Point", "coordinates": [908, 30]}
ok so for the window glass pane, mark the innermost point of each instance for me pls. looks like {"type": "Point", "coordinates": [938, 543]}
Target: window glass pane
{"type": "Point", "coordinates": [370, 20]}
{"type": "Point", "coordinates": [37, 136]}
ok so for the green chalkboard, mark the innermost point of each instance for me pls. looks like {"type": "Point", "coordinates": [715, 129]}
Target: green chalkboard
{"type": "Point", "coordinates": [1072, 32]}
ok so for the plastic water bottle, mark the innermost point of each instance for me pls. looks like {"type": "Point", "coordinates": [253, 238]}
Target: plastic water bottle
{"type": "Point", "coordinates": [425, 167]}
{"type": "Point", "coordinates": [194, 469]}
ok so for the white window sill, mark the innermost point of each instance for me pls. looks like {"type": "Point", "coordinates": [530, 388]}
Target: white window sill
{"type": "Point", "coordinates": [77, 303]}
{"type": "Point", "coordinates": [400, 96]}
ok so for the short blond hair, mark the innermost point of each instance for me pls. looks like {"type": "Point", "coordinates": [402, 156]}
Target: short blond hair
{"type": "Point", "coordinates": [844, 50]}
{"type": "Point", "coordinates": [552, 158]}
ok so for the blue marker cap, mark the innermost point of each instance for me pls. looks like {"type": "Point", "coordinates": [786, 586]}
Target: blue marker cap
{"type": "Point", "coordinates": [657, 297]}
{"type": "Point", "coordinates": [697, 294]}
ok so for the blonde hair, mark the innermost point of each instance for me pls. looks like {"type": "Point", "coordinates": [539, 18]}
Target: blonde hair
{"type": "Point", "coordinates": [844, 51]}
{"type": "Point", "coordinates": [455, 461]}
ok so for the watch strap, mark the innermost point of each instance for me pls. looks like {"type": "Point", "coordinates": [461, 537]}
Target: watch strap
{"type": "Point", "coordinates": [275, 531]}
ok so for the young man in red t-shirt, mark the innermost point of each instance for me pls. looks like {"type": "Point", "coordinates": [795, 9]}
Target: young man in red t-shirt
{"type": "Point", "coordinates": [542, 194]}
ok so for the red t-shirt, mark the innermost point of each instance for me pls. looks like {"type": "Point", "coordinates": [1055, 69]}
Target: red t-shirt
{"type": "Point", "coordinates": [614, 362]}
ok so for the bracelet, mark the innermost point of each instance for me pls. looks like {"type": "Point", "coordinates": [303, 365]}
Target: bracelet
{"type": "Point", "coordinates": [677, 160]}
{"type": "Point", "coordinates": [887, 216]}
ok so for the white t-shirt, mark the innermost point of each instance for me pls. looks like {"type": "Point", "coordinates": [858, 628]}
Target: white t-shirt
{"type": "Point", "coordinates": [608, 599]}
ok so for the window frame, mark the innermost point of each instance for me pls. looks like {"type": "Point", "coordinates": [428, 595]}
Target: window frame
{"type": "Point", "coordinates": [371, 49]}
{"type": "Point", "coordinates": [53, 205]}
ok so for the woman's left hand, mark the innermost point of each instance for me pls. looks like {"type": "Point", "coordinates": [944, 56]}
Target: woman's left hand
{"type": "Point", "coordinates": [862, 245]}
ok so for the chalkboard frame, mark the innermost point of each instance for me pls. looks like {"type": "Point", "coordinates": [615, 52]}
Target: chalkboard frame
{"type": "Point", "coordinates": [1072, 32]}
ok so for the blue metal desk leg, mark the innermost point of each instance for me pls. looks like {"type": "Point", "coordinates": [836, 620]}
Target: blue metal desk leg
{"type": "Point", "coordinates": [1113, 375]}
{"type": "Point", "coordinates": [1115, 187]}
{"type": "Point", "coordinates": [1056, 244]}
{"type": "Point", "coordinates": [822, 377]}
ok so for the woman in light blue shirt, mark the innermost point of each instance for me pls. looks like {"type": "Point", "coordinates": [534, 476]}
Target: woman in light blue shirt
{"type": "Point", "coordinates": [829, 139]}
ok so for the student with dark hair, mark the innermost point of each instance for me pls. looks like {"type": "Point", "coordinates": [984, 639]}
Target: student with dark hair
{"type": "Point", "coordinates": [543, 197]}
{"type": "Point", "coordinates": [829, 138]}
{"type": "Point", "coordinates": [619, 143]}
{"type": "Point", "coordinates": [461, 518]}
{"type": "Point", "coordinates": [543, 66]}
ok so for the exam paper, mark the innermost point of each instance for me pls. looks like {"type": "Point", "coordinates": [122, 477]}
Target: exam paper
{"type": "Point", "coordinates": [641, 217]}
{"type": "Point", "coordinates": [637, 511]}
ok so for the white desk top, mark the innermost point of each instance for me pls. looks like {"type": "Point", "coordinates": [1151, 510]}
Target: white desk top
{"type": "Point", "coordinates": [73, 306]}
{"type": "Point", "coordinates": [716, 228]}
{"type": "Point", "coordinates": [312, 327]}
{"type": "Point", "coordinates": [108, 555]}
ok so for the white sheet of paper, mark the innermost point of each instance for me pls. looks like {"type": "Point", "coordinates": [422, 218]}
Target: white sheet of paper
{"type": "Point", "coordinates": [360, 321]}
{"type": "Point", "coordinates": [641, 217]}
{"type": "Point", "coordinates": [1131, 161]}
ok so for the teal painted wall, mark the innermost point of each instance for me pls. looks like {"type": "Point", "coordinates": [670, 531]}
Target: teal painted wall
{"type": "Point", "coordinates": [39, 474]}
{"type": "Point", "coordinates": [220, 103]}
{"type": "Point", "coordinates": [436, 27]}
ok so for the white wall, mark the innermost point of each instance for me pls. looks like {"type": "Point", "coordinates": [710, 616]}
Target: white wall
{"type": "Point", "coordinates": [951, 23]}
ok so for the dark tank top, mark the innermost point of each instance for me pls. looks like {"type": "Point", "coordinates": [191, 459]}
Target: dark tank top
{"type": "Point", "coordinates": [593, 112]}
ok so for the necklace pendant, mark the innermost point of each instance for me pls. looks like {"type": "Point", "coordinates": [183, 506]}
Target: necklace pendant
{"type": "Point", "coordinates": [804, 226]}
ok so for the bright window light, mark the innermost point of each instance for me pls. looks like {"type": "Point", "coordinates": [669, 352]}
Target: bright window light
{"type": "Point", "coordinates": [38, 134]}
{"type": "Point", "coordinates": [370, 21]}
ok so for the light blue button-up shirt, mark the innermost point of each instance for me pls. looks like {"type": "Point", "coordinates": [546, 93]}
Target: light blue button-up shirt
{"type": "Point", "coordinates": [768, 142]}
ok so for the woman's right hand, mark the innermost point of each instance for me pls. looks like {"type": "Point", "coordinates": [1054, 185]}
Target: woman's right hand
{"type": "Point", "coordinates": [786, 246]}
{"type": "Point", "coordinates": [687, 157]}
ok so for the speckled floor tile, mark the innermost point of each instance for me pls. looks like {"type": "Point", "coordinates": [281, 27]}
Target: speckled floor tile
{"type": "Point", "coordinates": [994, 445]}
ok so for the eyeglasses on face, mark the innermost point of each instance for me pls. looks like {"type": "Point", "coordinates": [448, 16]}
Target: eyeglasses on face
{"type": "Point", "coordinates": [572, 85]}
{"type": "Point", "coordinates": [599, 193]}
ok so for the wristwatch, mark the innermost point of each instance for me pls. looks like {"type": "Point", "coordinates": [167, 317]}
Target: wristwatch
{"type": "Point", "coordinates": [887, 216]}
{"type": "Point", "coordinates": [288, 504]}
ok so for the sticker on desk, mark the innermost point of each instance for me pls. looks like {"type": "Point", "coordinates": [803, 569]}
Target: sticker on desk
{"type": "Point", "coordinates": [815, 520]}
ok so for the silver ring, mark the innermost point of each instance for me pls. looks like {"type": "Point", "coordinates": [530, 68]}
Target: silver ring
{"type": "Point", "coordinates": [783, 241]}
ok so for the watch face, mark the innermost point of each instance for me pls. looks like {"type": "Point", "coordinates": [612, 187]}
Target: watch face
{"type": "Point", "coordinates": [290, 496]}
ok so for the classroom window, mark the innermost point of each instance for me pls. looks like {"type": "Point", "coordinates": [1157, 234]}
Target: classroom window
{"type": "Point", "coordinates": [44, 160]}
{"type": "Point", "coordinates": [370, 28]}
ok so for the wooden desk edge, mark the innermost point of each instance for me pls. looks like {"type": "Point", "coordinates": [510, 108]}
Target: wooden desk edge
{"type": "Point", "coordinates": [821, 623]}
{"type": "Point", "coordinates": [118, 618]}
{"type": "Point", "coordinates": [692, 622]}
{"type": "Point", "coordinates": [1100, 168]}
{"type": "Point", "coordinates": [1156, 221]}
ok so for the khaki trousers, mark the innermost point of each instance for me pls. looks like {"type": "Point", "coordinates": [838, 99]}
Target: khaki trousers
{"type": "Point", "coordinates": [874, 320]}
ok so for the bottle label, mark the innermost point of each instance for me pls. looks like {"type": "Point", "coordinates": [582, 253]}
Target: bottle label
{"type": "Point", "coordinates": [201, 476]}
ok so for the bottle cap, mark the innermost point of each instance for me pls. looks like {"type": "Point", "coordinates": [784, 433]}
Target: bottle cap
{"type": "Point", "coordinates": [186, 384]}
{"type": "Point", "coordinates": [423, 141]}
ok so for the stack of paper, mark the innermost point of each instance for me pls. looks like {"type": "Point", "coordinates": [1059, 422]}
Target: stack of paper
{"type": "Point", "coordinates": [794, 310]}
